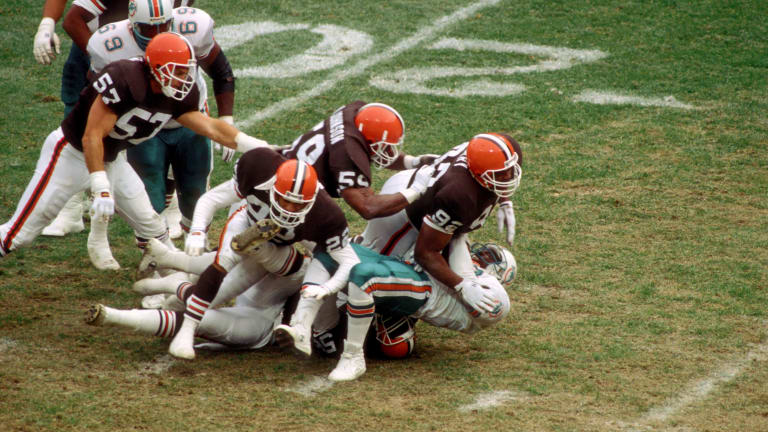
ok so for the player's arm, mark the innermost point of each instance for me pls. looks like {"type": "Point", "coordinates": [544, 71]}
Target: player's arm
{"type": "Point", "coordinates": [216, 65]}
{"type": "Point", "coordinates": [101, 120]}
{"type": "Point", "coordinates": [220, 131]}
{"type": "Point", "coordinates": [405, 161]}
{"type": "Point", "coordinates": [76, 25]}
{"type": "Point", "coordinates": [369, 205]}
{"type": "Point", "coordinates": [428, 254]}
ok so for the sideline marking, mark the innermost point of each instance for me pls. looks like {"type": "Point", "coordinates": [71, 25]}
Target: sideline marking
{"type": "Point", "coordinates": [599, 97]}
{"type": "Point", "coordinates": [311, 387]}
{"type": "Point", "coordinates": [697, 390]}
{"type": "Point", "coordinates": [485, 401]}
{"type": "Point", "coordinates": [362, 65]}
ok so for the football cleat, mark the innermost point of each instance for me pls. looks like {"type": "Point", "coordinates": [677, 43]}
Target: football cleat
{"type": "Point", "coordinates": [153, 252]}
{"type": "Point", "coordinates": [165, 285]}
{"type": "Point", "coordinates": [95, 315]}
{"type": "Point", "coordinates": [295, 338]}
{"type": "Point", "coordinates": [351, 365]}
{"type": "Point", "coordinates": [249, 240]}
{"type": "Point", "coordinates": [69, 219]}
{"type": "Point", "coordinates": [98, 246]}
{"type": "Point", "coordinates": [183, 344]}
{"type": "Point", "coordinates": [156, 301]}
{"type": "Point", "coordinates": [172, 215]}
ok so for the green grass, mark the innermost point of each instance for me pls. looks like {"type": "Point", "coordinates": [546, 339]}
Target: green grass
{"type": "Point", "coordinates": [641, 233]}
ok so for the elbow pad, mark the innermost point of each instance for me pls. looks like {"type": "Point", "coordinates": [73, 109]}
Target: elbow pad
{"type": "Point", "coordinates": [221, 74]}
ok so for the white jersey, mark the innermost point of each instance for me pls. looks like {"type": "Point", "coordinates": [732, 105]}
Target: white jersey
{"type": "Point", "coordinates": [444, 307]}
{"type": "Point", "coordinates": [115, 41]}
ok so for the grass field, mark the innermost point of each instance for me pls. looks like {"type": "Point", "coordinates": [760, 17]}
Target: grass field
{"type": "Point", "coordinates": [640, 302]}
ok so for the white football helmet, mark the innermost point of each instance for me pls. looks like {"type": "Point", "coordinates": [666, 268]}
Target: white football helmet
{"type": "Point", "coordinates": [495, 260]}
{"type": "Point", "coordinates": [149, 18]}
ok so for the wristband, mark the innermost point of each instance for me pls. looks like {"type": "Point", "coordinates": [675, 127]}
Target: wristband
{"type": "Point", "coordinates": [410, 195]}
{"type": "Point", "coordinates": [410, 162]}
{"type": "Point", "coordinates": [246, 142]}
{"type": "Point", "coordinates": [227, 119]}
{"type": "Point", "coordinates": [99, 181]}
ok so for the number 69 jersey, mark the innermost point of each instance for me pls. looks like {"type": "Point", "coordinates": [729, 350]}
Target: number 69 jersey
{"type": "Point", "coordinates": [454, 202]}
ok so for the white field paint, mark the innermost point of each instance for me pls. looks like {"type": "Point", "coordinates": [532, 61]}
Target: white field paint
{"type": "Point", "coordinates": [338, 44]}
{"type": "Point", "coordinates": [607, 98]}
{"type": "Point", "coordinates": [158, 366]}
{"type": "Point", "coordinates": [7, 344]}
{"type": "Point", "coordinates": [364, 64]}
{"type": "Point", "coordinates": [414, 80]}
{"type": "Point", "coordinates": [311, 387]}
{"type": "Point", "coordinates": [698, 390]}
{"type": "Point", "coordinates": [487, 401]}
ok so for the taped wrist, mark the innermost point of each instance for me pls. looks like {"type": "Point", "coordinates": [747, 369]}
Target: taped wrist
{"type": "Point", "coordinates": [47, 24]}
{"type": "Point", "coordinates": [410, 162]}
{"type": "Point", "coordinates": [246, 142]}
{"type": "Point", "coordinates": [99, 181]}
{"type": "Point", "coordinates": [221, 74]}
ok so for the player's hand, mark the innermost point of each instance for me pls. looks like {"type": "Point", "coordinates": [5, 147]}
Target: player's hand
{"type": "Point", "coordinates": [505, 218]}
{"type": "Point", "coordinates": [196, 242]}
{"type": "Point", "coordinates": [103, 204]}
{"type": "Point", "coordinates": [317, 292]}
{"type": "Point", "coordinates": [47, 43]}
{"type": "Point", "coordinates": [226, 153]}
{"type": "Point", "coordinates": [475, 295]}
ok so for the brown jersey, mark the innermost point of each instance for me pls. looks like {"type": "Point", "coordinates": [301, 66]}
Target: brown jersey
{"type": "Point", "coordinates": [124, 86]}
{"type": "Point", "coordinates": [454, 202]}
{"type": "Point", "coordinates": [325, 224]}
{"type": "Point", "coordinates": [337, 150]}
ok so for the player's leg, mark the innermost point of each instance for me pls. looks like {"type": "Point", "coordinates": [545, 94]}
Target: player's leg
{"type": "Point", "coordinates": [161, 323]}
{"type": "Point", "coordinates": [158, 256]}
{"type": "Point", "coordinates": [190, 158]}
{"type": "Point", "coordinates": [384, 283]}
{"type": "Point", "coordinates": [69, 219]}
{"type": "Point", "coordinates": [198, 298]}
{"type": "Point", "coordinates": [59, 174]}
{"type": "Point", "coordinates": [149, 161]}
{"type": "Point", "coordinates": [172, 214]}
{"type": "Point", "coordinates": [74, 77]}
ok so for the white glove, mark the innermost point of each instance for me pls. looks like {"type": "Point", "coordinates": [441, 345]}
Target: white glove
{"type": "Point", "coordinates": [474, 295]}
{"type": "Point", "coordinates": [196, 242]}
{"type": "Point", "coordinates": [226, 153]}
{"type": "Point", "coordinates": [317, 292]}
{"type": "Point", "coordinates": [103, 205]}
{"type": "Point", "coordinates": [505, 218]}
{"type": "Point", "coordinates": [46, 41]}
{"type": "Point", "coordinates": [419, 185]}
{"type": "Point", "coordinates": [411, 162]}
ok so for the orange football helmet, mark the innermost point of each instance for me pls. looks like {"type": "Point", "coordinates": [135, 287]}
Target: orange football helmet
{"type": "Point", "coordinates": [495, 162]}
{"type": "Point", "coordinates": [384, 129]}
{"type": "Point", "coordinates": [171, 59]}
{"type": "Point", "coordinates": [396, 336]}
{"type": "Point", "coordinates": [295, 182]}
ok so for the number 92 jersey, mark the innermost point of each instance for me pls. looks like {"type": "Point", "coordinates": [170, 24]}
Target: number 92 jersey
{"type": "Point", "coordinates": [454, 202]}
{"type": "Point", "coordinates": [337, 150]}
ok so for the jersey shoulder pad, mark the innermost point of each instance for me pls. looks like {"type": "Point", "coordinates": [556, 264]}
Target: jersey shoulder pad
{"type": "Point", "coordinates": [197, 26]}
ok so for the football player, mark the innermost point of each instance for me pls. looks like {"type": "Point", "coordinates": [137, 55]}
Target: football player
{"type": "Point", "coordinates": [82, 19]}
{"type": "Point", "coordinates": [129, 102]}
{"type": "Point", "coordinates": [250, 322]}
{"type": "Point", "coordinates": [286, 193]}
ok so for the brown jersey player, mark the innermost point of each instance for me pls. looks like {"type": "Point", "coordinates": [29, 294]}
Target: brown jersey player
{"type": "Point", "coordinates": [126, 104]}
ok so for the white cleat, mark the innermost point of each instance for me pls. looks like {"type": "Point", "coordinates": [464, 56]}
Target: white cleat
{"type": "Point", "coordinates": [183, 344]}
{"type": "Point", "coordinates": [166, 285]}
{"type": "Point", "coordinates": [96, 315]}
{"type": "Point", "coordinates": [296, 338]}
{"type": "Point", "coordinates": [153, 301]}
{"type": "Point", "coordinates": [153, 252]}
{"type": "Point", "coordinates": [173, 303]}
{"type": "Point", "coordinates": [69, 219]}
{"type": "Point", "coordinates": [98, 246]}
{"type": "Point", "coordinates": [351, 366]}
{"type": "Point", "coordinates": [172, 216]}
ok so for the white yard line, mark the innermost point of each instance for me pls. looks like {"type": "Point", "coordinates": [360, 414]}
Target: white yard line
{"type": "Point", "coordinates": [698, 390]}
{"type": "Point", "coordinates": [600, 97]}
{"type": "Point", "coordinates": [361, 66]}
{"type": "Point", "coordinates": [311, 387]}
{"type": "Point", "coordinates": [487, 401]}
